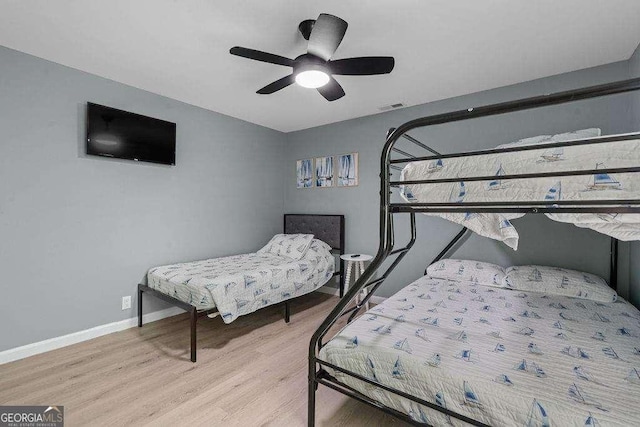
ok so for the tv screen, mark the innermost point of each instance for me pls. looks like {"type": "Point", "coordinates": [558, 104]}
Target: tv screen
{"type": "Point", "coordinates": [123, 135]}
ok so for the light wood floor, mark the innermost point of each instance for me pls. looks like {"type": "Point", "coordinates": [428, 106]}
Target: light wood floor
{"type": "Point", "coordinates": [251, 372]}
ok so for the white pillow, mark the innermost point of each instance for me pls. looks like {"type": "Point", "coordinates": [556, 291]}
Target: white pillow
{"type": "Point", "coordinates": [459, 270]}
{"type": "Point", "coordinates": [290, 245]}
{"type": "Point", "coordinates": [547, 139]}
{"type": "Point", "coordinates": [559, 281]}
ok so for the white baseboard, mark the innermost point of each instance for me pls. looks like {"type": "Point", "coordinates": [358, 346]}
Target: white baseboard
{"type": "Point", "coordinates": [336, 292]}
{"type": "Point", "coordinates": [76, 337]}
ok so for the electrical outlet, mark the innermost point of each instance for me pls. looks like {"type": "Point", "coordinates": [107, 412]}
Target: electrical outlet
{"type": "Point", "coordinates": [126, 302]}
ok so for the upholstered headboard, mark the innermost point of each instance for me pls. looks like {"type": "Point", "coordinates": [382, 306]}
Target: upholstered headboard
{"type": "Point", "coordinates": [328, 228]}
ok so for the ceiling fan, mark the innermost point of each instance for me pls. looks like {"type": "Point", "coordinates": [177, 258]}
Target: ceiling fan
{"type": "Point", "coordinates": [315, 69]}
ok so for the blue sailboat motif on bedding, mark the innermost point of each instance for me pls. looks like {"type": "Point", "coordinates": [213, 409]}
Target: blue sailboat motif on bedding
{"type": "Point", "coordinates": [633, 376]}
{"type": "Point", "coordinates": [441, 402]}
{"type": "Point", "coordinates": [352, 343]}
{"type": "Point", "coordinates": [554, 193]}
{"type": "Point", "coordinates": [582, 373]}
{"type": "Point", "coordinates": [538, 416]}
{"type": "Point", "coordinates": [249, 281]}
{"type": "Point", "coordinates": [576, 352]}
{"type": "Point", "coordinates": [464, 355]}
{"type": "Point", "coordinates": [503, 379]}
{"type": "Point", "coordinates": [603, 181]}
{"type": "Point", "coordinates": [591, 421]}
{"type": "Point", "coordinates": [435, 166]}
{"type": "Point", "coordinates": [398, 370]}
{"type": "Point", "coordinates": [458, 192]}
{"type": "Point", "coordinates": [497, 184]}
{"type": "Point", "coordinates": [403, 345]}
{"type": "Point", "coordinates": [434, 360]}
{"type": "Point", "coordinates": [535, 276]}
{"type": "Point", "coordinates": [580, 396]}
{"type": "Point", "coordinates": [552, 155]}
{"type": "Point", "coordinates": [418, 415]}
{"type": "Point", "coordinates": [505, 223]}
{"type": "Point", "coordinates": [470, 397]}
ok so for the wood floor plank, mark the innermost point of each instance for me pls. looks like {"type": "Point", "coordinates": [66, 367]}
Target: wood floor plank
{"type": "Point", "coordinates": [251, 372]}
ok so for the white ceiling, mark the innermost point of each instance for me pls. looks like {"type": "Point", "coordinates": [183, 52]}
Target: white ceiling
{"type": "Point", "coordinates": [443, 48]}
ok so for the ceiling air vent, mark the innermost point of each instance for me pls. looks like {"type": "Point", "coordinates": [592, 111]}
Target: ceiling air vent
{"type": "Point", "coordinates": [392, 106]}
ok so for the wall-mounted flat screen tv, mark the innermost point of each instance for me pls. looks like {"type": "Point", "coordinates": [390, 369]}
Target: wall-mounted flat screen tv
{"type": "Point", "coordinates": [123, 135]}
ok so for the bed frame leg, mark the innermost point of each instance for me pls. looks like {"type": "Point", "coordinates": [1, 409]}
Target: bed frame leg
{"type": "Point", "coordinates": [194, 319]}
{"type": "Point", "coordinates": [287, 311]}
{"type": "Point", "coordinates": [311, 407]}
{"type": "Point", "coordinates": [139, 306]}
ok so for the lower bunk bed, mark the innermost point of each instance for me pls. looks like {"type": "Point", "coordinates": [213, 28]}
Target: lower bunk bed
{"type": "Point", "coordinates": [289, 266]}
{"type": "Point", "coordinates": [496, 354]}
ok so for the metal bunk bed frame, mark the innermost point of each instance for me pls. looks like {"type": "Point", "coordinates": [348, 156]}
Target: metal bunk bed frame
{"type": "Point", "coordinates": [317, 373]}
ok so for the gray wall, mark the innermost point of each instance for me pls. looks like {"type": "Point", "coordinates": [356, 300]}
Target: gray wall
{"type": "Point", "coordinates": [78, 233]}
{"type": "Point", "coordinates": [542, 240]}
{"type": "Point", "coordinates": [634, 271]}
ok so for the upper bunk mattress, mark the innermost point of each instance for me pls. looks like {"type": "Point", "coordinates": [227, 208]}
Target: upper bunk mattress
{"type": "Point", "coordinates": [617, 154]}
{"type": "Point", "coordinates": [503, 357]}
{"type": "Point", "coordinates": [242, 284]}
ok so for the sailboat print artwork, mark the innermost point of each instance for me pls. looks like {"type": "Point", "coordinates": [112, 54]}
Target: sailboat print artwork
{"type": "Point", "coordinates": [537, 416]}
{"type": "Point", "coordinates": [324, 171]}
{"type": "Point", "coordinates": [497, 183]}
{"type": "Point", "coordinates": [348, 170]}
{"type": "Point", "coordinates": [603, 181]}
{"type": "Point", "coordinates": [304, 173]}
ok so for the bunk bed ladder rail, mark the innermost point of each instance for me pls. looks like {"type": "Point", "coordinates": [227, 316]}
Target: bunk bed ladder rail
{"type": "Point", "coordinates": [388, 209]}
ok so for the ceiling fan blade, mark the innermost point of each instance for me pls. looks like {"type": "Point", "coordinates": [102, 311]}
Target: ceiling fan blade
{"type": "Point", "coordinates": [332, 90]}
{"type": "Point", "coordinates": [363, 66]}
{"type": "Point", "coordinates": [327, 33]}
{"type": "Point", "coordinates": [277, 85]}
{"type": "Point", "coordinates": [261, 56]}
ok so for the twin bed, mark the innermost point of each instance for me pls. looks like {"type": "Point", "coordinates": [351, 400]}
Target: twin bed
{"type": "Point", "coordinates": [291, 265]}
{"type": "Point", "coordinates": [472, 343]}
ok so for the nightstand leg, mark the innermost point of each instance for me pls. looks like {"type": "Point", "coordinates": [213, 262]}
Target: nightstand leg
{"type": "Point", "coordinates": [356, 276]}
{"type": "Point", "coordinates": [347, 277]}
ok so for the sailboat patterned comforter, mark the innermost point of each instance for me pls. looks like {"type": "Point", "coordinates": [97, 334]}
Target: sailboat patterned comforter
{"type": "Point", "coordinates": [617, 154]}
{"type": "Point", "coordinates": [503, 357]}
{"type": "Point", "coordinates": [242, 284]}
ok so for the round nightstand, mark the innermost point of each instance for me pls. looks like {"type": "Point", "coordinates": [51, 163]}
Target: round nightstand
{"type": "Point", "coordinates": [358, 263]}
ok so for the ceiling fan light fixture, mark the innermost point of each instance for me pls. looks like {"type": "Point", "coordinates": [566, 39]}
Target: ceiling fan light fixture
{"type": "Point", "coordinates": [312, 76]}
{"type": "Point", "coordinates": [312, 79]}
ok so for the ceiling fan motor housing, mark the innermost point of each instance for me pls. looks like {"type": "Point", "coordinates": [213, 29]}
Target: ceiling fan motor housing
{"type": "Point", "coordinates": [309, 62]}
